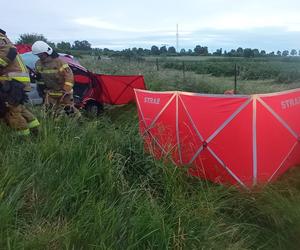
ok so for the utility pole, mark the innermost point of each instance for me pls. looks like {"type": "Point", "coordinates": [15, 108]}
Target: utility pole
{"type": "Point", "coordinates": [235, 78]}
{"type": "Point", "coordinates": [177, 37]}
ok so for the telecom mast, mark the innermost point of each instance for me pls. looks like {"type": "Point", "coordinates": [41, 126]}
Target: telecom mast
{"type": "Point", "coordinates": [177, 37]}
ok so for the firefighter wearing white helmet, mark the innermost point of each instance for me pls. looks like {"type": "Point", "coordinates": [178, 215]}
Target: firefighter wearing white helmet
{"type": "Point", "coordinates": [57, 78]}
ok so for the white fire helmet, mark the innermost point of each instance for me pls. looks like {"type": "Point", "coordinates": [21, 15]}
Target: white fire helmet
{"type": "Point", "coordinates": [41, 47]}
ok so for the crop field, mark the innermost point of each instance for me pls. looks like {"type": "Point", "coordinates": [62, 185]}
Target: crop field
{"type": "Point", "coordinates": [89, 184]}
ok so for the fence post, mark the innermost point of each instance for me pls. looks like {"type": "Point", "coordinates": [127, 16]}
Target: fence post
{"type": "Point", "coordinates": [183, 70]}
{"type": "Point", "coordinates": [235, 78]}
{"type": "Point", "coordinates": [157, 65]}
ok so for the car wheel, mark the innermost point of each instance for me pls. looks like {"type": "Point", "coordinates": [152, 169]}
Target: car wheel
{"type": "Point", "coordinates": [94, 109]}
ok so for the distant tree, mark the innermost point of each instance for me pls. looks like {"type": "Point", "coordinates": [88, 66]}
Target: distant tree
{"type": "Point", "coordinates": [299, 52]}
{"type": "Point", "coordinates": [63, 45]}
{"type": "Point", "coordinates": [81, 45]}
{"type": "Point", "coordinates": [278, 53]}
{"type": "Point", "coordinates": [182, 52]}
{"type": "Point", "coordinates": [293, 52]}
{"type": "Point", "coordinates": [31, 38]}
{"type": "Point", "coordinates": [272, 53]}
{"type": "Point", "coordinates": [255, 52]}
{"type": "Point", "coordinates": [154, 50]}
{"type": "Point", "coordinates": [218, 52]}
{"type": "Point", "coordinates": [190, 52]}
{"type": "Point", "coordinates": [106, 51]}
{"type": "Point", "coordinates": [140, 51]}
{"type": "Point", "coordinates": [197, 50]}
{"type": "Point", "coordinates": [263, 53]}
{"type": "Point", "coordinates": [51, 44]}
{"type": "Point", "coordinates": [127, 53]}
{"type": "Point", "coordinates": [204, 51]}
{"type": "Point", "coordinates": [134, 50]}
{"type": "Point", "coordinates": [201, 50]}
{"type": "Point", "coordinates": [240, 51]}
{"type": "Point", "coordinates": [171, 50]}
{"type": "Point", "coordinates": [285, 53]}
{"type": "Point", "coordinates": [248, 52]}
{"type": "Point", "coordinates": [163, 50]}
{"type": "Point", "coordinates": [147, 52]}
{"type": "Point", "coordinates": [232, 52]}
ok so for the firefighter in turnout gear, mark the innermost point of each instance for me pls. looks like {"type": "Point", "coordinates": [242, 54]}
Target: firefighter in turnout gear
{"type": "Point", "coordinates": [57, 79]}
{"type": "Point", "coordinates": [14, 82]}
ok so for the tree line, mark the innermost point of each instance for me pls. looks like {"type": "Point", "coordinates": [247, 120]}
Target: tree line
{"type": "Point", "coordinates": [199, 50]}
{"type": "Point", "coordinates": [77, 45]}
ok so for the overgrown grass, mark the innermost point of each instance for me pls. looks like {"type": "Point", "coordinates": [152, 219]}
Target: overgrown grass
{"type": "Point", "coordinates": [91, 185]}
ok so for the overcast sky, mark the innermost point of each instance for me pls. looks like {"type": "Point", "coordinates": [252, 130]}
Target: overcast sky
{"type": "Point", "coordinates": [264, 24]}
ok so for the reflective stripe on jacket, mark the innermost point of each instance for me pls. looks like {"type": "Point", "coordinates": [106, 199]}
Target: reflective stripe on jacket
{"type": "Point", "coordinates": [19, 76]}
{"type": "Point", "coordinates": [11, 65]}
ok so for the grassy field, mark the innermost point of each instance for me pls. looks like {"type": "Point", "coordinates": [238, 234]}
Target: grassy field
{"type": "Point", "coordinates": [90, 185]}
{"type": "Point", "coordinates": [170, 78]}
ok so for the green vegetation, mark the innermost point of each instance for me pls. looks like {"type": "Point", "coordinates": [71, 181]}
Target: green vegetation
{"type": "Point", "coordinates": [91, 185]}
{"type": "Point", "coordinates": [198, 77]}
{"type": "Point", "coordinates": [284, 70]}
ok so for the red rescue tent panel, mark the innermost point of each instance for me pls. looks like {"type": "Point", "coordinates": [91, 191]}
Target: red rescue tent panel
{"type": "Point", "coordinates": [236, 139]}
{"type": "Point", "coordinates": [118, 89]}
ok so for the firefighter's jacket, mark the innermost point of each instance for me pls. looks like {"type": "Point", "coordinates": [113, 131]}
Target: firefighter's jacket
{"type": "Point", "coordinates": [55, 73]}
{"type": "Point", "coordinates": [12, 66]}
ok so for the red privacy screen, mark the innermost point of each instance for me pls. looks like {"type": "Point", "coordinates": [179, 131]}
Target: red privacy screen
{"type": "Point", "coordinates": [245, 140]}
{"type": "Point", "coordinates": [118, 89]}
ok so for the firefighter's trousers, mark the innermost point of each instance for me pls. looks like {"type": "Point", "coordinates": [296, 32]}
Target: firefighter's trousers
{"type": "Point", "coordinates": [21, 119]}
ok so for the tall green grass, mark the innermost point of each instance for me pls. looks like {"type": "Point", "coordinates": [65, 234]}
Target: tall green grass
{"type": "Point", "coordinates": [91, 185]}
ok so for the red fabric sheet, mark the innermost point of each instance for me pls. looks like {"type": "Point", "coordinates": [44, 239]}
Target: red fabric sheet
{"type": "Point", "coordinates": [244, 140]}
{"type": "Point", "coordinates": [119, 89]}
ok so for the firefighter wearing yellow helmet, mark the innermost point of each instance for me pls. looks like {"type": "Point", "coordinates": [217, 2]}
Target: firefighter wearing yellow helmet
{"type": "Point", "coordinates": [57, 78]}
{"type": "Point", "coordinates": [14, 81]}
